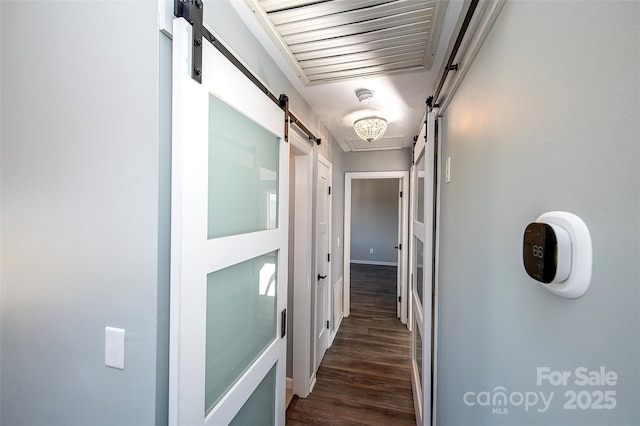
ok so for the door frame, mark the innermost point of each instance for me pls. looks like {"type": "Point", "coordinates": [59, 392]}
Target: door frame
{"type": "Point", "coordinates": [439, 181]}
{"type": "Point", "coordinates": [410, 263]}
{"type": "Point", "coordinates": [402, 284]}
{"type": "Point", "coordinates": [302, 264]}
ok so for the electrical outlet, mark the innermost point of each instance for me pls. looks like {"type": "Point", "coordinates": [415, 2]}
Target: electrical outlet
{"type": "Point", "coordinates": [370, 251]}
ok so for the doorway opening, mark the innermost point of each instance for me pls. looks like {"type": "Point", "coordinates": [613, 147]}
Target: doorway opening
{"type": "Point", "coordinates": [361, 250]}
{"type": "Point", "coordinates": [299, 341]}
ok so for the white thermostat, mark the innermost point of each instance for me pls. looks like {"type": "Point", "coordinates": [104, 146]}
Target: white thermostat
{"type": "Point", "coordinates": [557, 252]}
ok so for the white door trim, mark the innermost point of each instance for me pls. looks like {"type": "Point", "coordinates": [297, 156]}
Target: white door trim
{"type": "Point", "coordinates": [348, 177]}
{"type": "Point", "coordinates": [436, 275]}
{"type": "Point", "coordinates": [303, 261]}
{"type": "Point", "coordinates": [410, 263]}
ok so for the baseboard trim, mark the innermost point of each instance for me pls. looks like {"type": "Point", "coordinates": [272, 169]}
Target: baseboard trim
{"type": "Point", "coordinates": [289, 391]}
{"type": "Point", "coordinates": [338, 307]}
{"type": "Point", "coordinates": [338, 325]}
{"type": "Point", "coordinates": [374, 262]}
{"type": "Point", "coordinates": [312, 382]}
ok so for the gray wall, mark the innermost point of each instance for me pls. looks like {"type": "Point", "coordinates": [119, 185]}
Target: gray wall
{"type": "Point", "coordinates": [374, 220]}
{"type": "Point", "coordinates": [377, 161]}
{"type": "Point", "coordinates": [80, 202]}
{"type": "Point", "coordinates": [546, 119]}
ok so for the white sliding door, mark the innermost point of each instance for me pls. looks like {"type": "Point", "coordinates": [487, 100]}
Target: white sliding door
{"type": "Point", "coordinates": [229, 245]}
{"type": "Point", "coordinates": [423, 221]}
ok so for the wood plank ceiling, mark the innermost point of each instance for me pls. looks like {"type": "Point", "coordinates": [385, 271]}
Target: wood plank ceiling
{"type": "Point", "coordinates": [329, 40]}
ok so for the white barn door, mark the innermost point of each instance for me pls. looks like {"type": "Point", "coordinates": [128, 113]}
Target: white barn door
{"type": "Point", "coordinates": [229, 245]}
{"type": "Point", "coordinates": [423, 272]}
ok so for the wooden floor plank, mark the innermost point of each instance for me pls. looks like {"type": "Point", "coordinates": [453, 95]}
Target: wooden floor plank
{"type": "Point", "coordinates": [338, 411]}
{"type": "Point", "coordinates": [365, 377]}
{"type": "Point", "coordinates": [365, 367]}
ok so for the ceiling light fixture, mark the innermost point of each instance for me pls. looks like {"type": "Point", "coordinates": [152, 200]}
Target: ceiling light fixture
{"type": "Point", "coordinates": [365, 96]}
{"type": "Point", "coordinates": [370, 128]}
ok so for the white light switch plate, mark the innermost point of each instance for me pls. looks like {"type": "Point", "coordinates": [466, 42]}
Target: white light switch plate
{"type": "Point", "coordinates": [447, 170]}
{"type": "Point", "coordinates": [114, 347]}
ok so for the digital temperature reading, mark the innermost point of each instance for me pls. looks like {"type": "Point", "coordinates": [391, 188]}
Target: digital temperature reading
{"type": "Point", "coordinates": [539, 252]}
{"type": "Point", "coordinates": [556, 251]}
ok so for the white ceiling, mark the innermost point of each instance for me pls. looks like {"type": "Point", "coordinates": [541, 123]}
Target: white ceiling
{"type": "Point", "coordinates": [336, 40]}
{"type": "Point", "coordinates": [331, 49]}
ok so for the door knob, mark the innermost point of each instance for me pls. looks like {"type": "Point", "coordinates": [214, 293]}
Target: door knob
{"type": "Point", "coordinates": [321, 277]}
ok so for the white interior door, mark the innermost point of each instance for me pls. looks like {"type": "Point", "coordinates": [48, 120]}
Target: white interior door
{"type": "Point", "coordinates": [422, 264]}
{"type": "Point", "coordinates": [323, 254]}
{"type": "Point", "coordinates": [229, 245]}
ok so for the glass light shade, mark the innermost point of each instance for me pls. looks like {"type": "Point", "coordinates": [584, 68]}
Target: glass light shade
{"type": "Point", "coordinates": [370, 128]}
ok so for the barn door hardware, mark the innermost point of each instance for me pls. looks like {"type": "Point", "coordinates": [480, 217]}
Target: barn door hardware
{"type": "Point", "coordinates": [193, 11]}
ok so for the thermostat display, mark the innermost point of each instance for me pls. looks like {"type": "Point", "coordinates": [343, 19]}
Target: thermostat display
{"type": "Point", "coordinates": [546, 252]}
{"type": "Point", "coordinates": [556, 251]}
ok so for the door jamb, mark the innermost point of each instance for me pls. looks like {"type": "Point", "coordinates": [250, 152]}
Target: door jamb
{"type": "Point", "coordinates": [436, 274]}
{"type": "Point", "coordinates": [411, 254]}
{"type": "Point", "coordinates": [348, 177]}
{"type": "Point", "coordinates": [303, 262]}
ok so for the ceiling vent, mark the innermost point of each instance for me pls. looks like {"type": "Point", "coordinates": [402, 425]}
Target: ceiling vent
{"type": "Point", "coordinates": [344, 39]}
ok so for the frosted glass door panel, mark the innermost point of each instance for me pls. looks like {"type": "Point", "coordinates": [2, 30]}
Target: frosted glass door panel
{"type": "Point", "coordinates": [419, 284]}
{"type": "Point", "coordinates": [243, 173]}
{"type": "Point", "coordinates": [420, 190]}
{"type": "Point", "coordinates": [241, 321]}
{"type": "Point", "coordinates": [259, 408]}
{"type": "Point", "coordinates": [417, 355]}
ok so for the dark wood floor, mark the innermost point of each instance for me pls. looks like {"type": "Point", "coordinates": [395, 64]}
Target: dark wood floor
{"type": "Point", "coordinates": [364, 378]}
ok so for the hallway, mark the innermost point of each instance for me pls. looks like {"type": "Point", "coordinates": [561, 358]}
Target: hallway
{"type": "Point", "coordinates": [365, 376]}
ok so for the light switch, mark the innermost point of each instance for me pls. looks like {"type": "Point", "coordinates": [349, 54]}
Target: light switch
{"type": "Point", "coordinates": [447, 170]}
{"type": "Point", "coordinates": [114, 347]}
